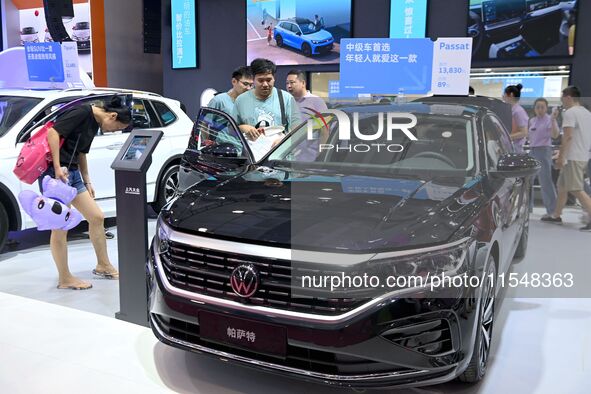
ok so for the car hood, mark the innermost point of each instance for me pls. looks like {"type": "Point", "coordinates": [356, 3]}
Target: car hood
{"type": "Point", "coordinates": [336, 213]}
{"type": "Point", "coordinates": [320, 35]}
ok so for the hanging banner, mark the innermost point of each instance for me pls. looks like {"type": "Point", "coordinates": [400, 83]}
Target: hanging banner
{"type": "Point", "coordinates": [408, 18]}
{"type": "Point", "coordinates": [184, 34]}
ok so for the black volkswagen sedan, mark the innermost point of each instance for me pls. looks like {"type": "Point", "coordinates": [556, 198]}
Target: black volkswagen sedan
{"type": "Point", "coordinates": [362, 251]}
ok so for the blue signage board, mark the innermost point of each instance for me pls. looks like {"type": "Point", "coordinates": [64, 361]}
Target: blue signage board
{"type": "Point", "coordinates": [184, 34]}
{"type": "Point", "coordinates": [335, 91]}
{"type": "Point", "coordinates": [533, 87]}
{"type": "Point", "coordinates": [386, 66]}
{"type": "Point", "coordinates": [408, 18]}
{"type": "Point", "coordinates": [44, 62]}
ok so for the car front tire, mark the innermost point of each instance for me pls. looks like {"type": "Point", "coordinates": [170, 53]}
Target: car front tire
{"type": "Point", "coordinates": [478, 363]}
{"type": "Point", "coordinates": [306, 49]}
{"type": "Point", "coordinates": [279, 40]}
{"type": "Point", "coordinates": [3, 227]}
{"type": "Point", "coordinates": [168, 187]}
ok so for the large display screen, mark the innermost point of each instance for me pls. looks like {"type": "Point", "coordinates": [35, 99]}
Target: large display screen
{"type": "Point", "coordinates": [137, 148]}
{"type": "Point", "coordinates": [510, 29]}
{"type": "Point", "coordinates": [295, 32]}
{"type": "Point", "coordinates": [408, 19]}
{"type": "Point", "coordinates": [184, 34]}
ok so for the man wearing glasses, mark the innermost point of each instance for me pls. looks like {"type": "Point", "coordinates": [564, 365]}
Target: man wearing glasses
{"type": "Point", "coordinates": [242, 81]}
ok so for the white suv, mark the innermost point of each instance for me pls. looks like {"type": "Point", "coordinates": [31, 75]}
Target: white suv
{"type": "Point", "coordinates": [22, 110]}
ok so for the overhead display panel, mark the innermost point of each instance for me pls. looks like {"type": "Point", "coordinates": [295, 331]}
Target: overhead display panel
{"type": "Point", "coordinates": [184, 34]}
{"type": "Point", "coordinates": [408, 19]}
{"type": "Point", "coordinates": [297, 32]}
{"type": "Point", "coordinates": [514, 29]}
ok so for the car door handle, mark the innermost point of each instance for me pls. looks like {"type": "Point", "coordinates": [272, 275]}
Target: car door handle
{"type": "Point", "coordinates": [115, 146]}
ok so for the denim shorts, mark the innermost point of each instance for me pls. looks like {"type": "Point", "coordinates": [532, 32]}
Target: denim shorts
{"type": "Point", "coordinates": [74, 179]}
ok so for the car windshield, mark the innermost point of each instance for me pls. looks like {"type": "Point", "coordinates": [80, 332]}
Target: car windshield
{"type": "Point", "coordinates": [308, 28]}
{"type": "Point", "coordinates": [442, 144]}
{"type": "Point", "coordinates": [13, 108]}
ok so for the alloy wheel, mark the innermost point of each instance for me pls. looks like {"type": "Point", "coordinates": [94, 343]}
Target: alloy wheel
{"type": "Point", "coordinates": [487, 320]}
{"type": "Point", "coordinates": [171, 185]}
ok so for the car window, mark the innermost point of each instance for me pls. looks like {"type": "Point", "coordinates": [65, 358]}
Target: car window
{"type": "Point", "coordinates": [164, 113]}
{"type": "Point", "coordinates": [97, 99]}
{"type": "Point", "coordinates": [13, 108]}
{"type": "Point", "coordinates": [308, 28]}
{"type": "Point", "coordinates": [295, 28]}
{"type": "Point", "coordinates": [212, 131]}
{"type": "Point", "coordinates": [496, 140]}
{"type": "Point", "coordinates": [443, 143]}
{"type": "Point", "coordinates": [140, 115]}
{"type": "Point", "coordinates": [505, 137]}
{"type": "Point", "coordinates": [51, 107]}
{"type": "Point", "coordinates": [284, 25]}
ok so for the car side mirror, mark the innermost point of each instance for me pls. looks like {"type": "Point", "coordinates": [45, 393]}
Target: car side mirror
{"type": "Point", "coordinates": [221, 150]}
{"type": "Point", "coordinates": [516, 165]}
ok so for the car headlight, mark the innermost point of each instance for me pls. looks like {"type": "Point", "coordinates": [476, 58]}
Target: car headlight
{"type": "Point", "coordinates": [449, 262]}
{"type": "Point", "coordinates": [315, 42]}
{"type": "Point", "coordinates": [161, 240]}
{"type": "Point", "coordinates": [415, 271]}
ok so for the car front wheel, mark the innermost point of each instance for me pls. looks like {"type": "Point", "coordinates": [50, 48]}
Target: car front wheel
{"type": "Point", "coordinates": [279, 40]}
{"type": "Point", "coordinates": [168, 187]}
{"type": "Point", "coordinates": [478, 363]}
{"type": "Point", "coordinates": [306, 49]}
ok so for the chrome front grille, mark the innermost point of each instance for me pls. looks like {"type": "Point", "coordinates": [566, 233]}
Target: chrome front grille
{"type": "Point", "coordinates": [207, 272]}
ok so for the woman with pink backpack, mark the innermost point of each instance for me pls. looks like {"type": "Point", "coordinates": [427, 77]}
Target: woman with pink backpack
{"type": "Point", "coordinates": [77, 128]}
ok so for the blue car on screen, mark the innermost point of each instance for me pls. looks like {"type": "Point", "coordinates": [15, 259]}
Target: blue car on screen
{"type": "Point", "coordinates": [303, 35]}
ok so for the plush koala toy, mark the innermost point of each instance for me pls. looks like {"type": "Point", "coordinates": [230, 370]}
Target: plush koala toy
{"type": "Point", "coordinates": [50, 211]}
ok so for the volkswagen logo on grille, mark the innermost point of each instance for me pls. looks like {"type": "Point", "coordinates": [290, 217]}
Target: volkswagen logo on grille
{"type": "Point", "coordinates": [244, 280]}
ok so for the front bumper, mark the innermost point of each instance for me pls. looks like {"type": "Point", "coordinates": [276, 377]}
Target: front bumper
{"type": "Point", "coordinates": [83, 45]}
{"type": "Point", "coordinates": [357, 351]}
{"type": "Point", "coordinates": [318, 49]}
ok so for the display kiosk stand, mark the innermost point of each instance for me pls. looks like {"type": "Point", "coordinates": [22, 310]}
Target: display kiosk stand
{"type": "Point", "coordinates": [131, 165]}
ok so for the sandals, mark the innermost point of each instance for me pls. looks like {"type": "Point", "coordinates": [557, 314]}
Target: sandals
{"type": "Point", "coordinates": [74, 287]}
{"type": "Point", "coordinates": [106, 275]}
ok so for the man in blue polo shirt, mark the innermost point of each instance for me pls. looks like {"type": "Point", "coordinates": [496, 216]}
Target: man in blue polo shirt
{"type": "Point", "coordinates": [241, 83]}
{"type": "Point", "coordinates": [261, 107]}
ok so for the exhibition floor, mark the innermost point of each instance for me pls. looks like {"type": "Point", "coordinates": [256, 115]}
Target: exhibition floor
{"type": "Point", "coordinates": [541, 345]}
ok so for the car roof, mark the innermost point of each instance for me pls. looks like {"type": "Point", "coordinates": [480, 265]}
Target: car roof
{"type": "Point", "coordinates": [48, 93]}
{"type": "Point", "coordinates": [416, 107]}
{"type": "Point", "coordinates": [464, 106]}
{"type": "Point", "coordinates": [296, 20]}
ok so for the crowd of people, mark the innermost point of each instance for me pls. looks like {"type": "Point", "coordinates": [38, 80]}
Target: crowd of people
{"type": "Point", "coordinates": [574, 154]}
{"type": "Point", "coordinates": [256, 104]}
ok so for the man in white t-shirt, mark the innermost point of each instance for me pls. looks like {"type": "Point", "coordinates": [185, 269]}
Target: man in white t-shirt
{"type": "Point", "coordinates": [574, 154]}
{"type": "Point", "coordinates": [310, 106]}
{"type": "Point", "coordinates": [307, 102]}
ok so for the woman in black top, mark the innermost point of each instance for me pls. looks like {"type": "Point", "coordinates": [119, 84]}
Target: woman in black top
{"type": "Point", "coordinates": [78, 126]}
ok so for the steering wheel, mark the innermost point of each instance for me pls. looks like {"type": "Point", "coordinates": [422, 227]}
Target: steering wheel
{"type": "Point", "coordinates": [475, 30]}
{"type": "Point", "coordinates": [437, 156]}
